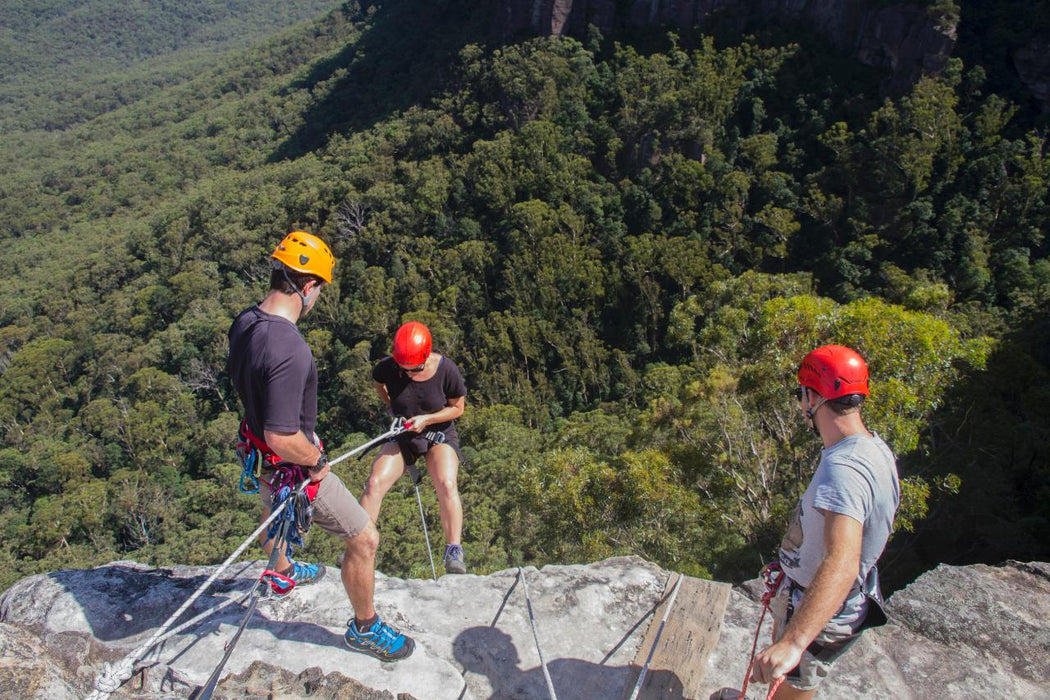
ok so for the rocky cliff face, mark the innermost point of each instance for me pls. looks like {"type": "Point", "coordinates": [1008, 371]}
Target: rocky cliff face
{"type": "Point", "coordinates": [970, 632]}
{"type": "Point", "coordinates": [901, 37]}
{"type": "Point", "coordinates": [1032, 62]}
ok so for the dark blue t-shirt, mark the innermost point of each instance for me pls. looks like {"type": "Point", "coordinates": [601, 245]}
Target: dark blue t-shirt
{"type": "Point", "coordinates": [274, 373]}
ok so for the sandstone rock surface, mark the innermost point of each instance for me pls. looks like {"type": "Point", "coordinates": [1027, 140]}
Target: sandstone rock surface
{"type": "Point", "coordinates": [960, 632]}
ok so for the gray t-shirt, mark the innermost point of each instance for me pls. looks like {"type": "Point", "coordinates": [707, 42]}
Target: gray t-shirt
{"type": "Point", "coordinates": [857, 477]}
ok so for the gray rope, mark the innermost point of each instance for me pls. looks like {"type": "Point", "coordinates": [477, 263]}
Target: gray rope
{"type": "Point", "coordinates": [114, 675]}
{"type": "Point", "coordinates": [426, 535]}
{"type": "Point", "coordinates": [535, 635]}
{"type": "Point", "coordinates": [659, 631]}
{"type": "Point", "coordinates": [396, 428]}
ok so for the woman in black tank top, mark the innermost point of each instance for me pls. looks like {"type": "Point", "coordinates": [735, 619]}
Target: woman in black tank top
{"type": "Point", "coordinates": [427, 390]}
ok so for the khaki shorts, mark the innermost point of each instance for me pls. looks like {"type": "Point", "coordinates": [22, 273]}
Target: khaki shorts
{"type": "Point", "coordinates": [335, 508]}
{"type": "Point", "coordinates": [837, 636]}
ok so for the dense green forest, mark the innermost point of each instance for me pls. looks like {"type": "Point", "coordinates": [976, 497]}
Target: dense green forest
{"type": "Point", "coordinates": [627, 243]}
{"type": "Point", "coordinates": [66, 61]}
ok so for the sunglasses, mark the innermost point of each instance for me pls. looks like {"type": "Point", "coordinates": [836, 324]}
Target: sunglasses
{"type": "Point", "coordinates": [797, 393]}
{"type": "Point", "coordinates": [414, 370]}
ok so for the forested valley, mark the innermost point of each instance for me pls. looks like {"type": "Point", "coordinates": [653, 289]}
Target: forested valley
{"type": "Point", "coordinates": [627, 243]}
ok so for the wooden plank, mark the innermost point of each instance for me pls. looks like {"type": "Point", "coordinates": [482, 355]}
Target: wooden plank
{"type": "Point", "coordinates": [688, 637]}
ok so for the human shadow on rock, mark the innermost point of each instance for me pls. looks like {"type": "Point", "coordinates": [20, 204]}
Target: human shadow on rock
{"type": "Point", "coordinates": [120, 602]}
{"type": "Point", "coordinates": [490, 652]}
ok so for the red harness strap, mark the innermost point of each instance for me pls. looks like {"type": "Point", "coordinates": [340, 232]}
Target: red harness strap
{"type": "Point", "coordinates": [279, 583]}
{"type": "Point", "coordinates": [285, 473]}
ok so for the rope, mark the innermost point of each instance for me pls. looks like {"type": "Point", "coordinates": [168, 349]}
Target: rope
{"type": "Point", "coordinates": [773, 577]}
{"type": "Point", "coordinates": [535, 634]}
{"type": "Point", "coordinates": [396, 428]}
{"type": "Point", "coordinates": [213, 679]}
{"type": "Point", "coordinates": [114, 675]}
{"type": "Point", "coordinates": [426, 536]}
{"type": "Point", "coordinates": [659, 631]}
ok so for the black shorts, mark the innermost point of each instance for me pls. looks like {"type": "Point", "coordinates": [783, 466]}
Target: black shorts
{"type": "Point", "coordinates": [415, 445]}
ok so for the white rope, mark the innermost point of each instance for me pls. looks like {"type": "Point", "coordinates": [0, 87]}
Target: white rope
{"type": "Point", "coordinates": [396, 428]}
{"type": "Point", "coordinates": [114, 675]}
{"type": "Point", "coordinates": [659, 631]}
{"type": "Point", "coordinates": [535, 635]}
{"type": "Point", "coordinates": [426, 535]}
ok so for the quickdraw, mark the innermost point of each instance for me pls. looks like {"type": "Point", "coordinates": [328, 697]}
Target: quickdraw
{"type": "Point", "coordinates": [252, 452]}
{"type": "Point", "coordinates": [297, 518]}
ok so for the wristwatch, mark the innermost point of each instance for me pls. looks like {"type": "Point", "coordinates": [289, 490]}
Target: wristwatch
{"type": "Point", "coordinates": [322, 462]}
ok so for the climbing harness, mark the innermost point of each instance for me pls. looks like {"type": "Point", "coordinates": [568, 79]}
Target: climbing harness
{"type": "Point", "coordinates": [252, 452]}
{"type": "Point", "coordinates": [114, 675]}
{"type": "Point", "coordinates": [773, 577]}
{"type": "Point", "coordinates": [535, 634]}
{"type": "Point", "coordinates": [659, 631]}
{"type": "Point", "coordinates": [279, 584]}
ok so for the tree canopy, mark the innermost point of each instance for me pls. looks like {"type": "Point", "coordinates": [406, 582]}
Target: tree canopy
{"type": "Point", "coordinates": [627, 249]}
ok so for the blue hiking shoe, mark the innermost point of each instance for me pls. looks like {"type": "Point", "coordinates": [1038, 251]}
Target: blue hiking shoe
{"type": "Point", "coordinates": [381, 641]}
{"type": "Point", "coordinates": [303, 574]}
{"type": "Point", "coordinates": [455, 560]}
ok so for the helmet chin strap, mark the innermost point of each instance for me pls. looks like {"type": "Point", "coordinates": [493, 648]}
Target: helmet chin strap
{"type": "Point", "coordinates": [304, 299]}
{"type": "Point", "coordinates": [811, 412]}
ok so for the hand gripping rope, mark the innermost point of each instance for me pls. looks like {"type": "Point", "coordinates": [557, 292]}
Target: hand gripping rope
{"type": "Point", "coordinates": [773, 577]}
{"type": "Point", "coordinates": [396, 428]}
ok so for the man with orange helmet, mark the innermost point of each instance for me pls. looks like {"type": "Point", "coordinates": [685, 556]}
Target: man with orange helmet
{"type": "Point", "coordinates": [427, 390]}
{"type": "Point", "coordinates": [276, 378]}
{"type": "Point", "coordinates": [830, 589]}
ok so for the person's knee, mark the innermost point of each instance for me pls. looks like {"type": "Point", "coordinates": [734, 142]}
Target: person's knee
{"type": "Point", "coordinates": [377, 485]}
{"type": "Point", "coordinates": [364, 543]}
{"type": "Point", "coordinates": [446, 486]}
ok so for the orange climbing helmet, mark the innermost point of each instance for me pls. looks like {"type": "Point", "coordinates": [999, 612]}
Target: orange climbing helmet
{"type": "Point", "coordinates": [834, 372]}
{"type": "Point", "coordinates": [411, 344]}
{"type": "Point", "coordinates": [305, 252]}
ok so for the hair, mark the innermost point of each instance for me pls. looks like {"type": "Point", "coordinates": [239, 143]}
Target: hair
{"type": "Point", "coordinates": [283, 280]}
{"type": "Point", "coordinates": [845, 405]}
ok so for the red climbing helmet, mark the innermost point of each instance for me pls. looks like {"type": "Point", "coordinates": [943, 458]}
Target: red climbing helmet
{"type": "Point", "coordinates": [411, 344]}
{"type": "Point", "coordinates": [834, 371]}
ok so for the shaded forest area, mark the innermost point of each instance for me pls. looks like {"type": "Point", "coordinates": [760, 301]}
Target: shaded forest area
{"type": "Point", "coordinates": [626, 246]}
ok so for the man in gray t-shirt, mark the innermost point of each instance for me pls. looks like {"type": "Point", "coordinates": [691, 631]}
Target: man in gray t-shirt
{"type": "Point", "coordinates": [830, 590]}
